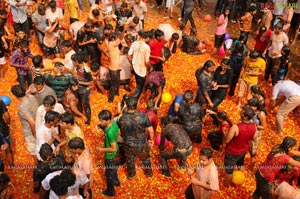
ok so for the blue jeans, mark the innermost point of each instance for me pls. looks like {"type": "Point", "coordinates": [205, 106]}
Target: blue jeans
{"type": "Point", "coordinates": [140, 81]}
{"type": "Point", "coordinates": [111, 174]}
{"type": "Point", "coordinates": [22, 79]}
{"type": "Point", "coordinates": [84, 99]}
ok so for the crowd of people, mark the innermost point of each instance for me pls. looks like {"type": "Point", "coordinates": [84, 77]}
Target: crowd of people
{"type": "Point", "coordinates": [110, 48]}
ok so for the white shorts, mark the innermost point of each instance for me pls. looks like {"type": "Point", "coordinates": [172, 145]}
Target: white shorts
{"type": "Point", "coordinates": [2, 60]}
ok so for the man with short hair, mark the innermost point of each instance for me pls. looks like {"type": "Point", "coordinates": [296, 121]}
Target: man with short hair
{"type": "Point", "coordinates": [19, 15]}
{"type": "Point", "coordinates": [40, 90]}
{"type": "Point", "coordinates": [27, 113]}
{"type": "Point", "coordinates": [237, 142]}
{"type": "Point", "coordinates": [66, 47]}
{"type": "Point", "coordinates": [40, 23]}
{"type": "Point", "coordinates": [133, 126]}
{"type": "Point", "coordinates": [139, 55]}
{"type": "Point", "coordinates": [140, 11]}
{"type": "Point", "coordinates": [157, 50]}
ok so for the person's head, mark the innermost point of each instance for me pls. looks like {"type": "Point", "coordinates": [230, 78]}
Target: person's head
{"type": "Point", "coordinates": [254, 55]}
{"type": "Point", "coordinates": [42, 10]}
{"type": "Point", "coordinates": [59, 186]}
{"type": "Point", "coordinates": [131, 103]}
{"type": "Point", "coordinates": [3, 15]}
{"type": "Point", "coordinates": [24, 46]}
{"type": "Point", "coordinates": [208, 66]}
{"type": "Point", "coordinates": [257, 92]}
{"type": "Point", "coordinates": [49, 102]}
{"type": "Point", "coordinates": [66, 46]}
{"type": "Point", "coordinates": [136, 20]}
{"type": "Point", "coordinates": [52, 5]}
{"type": "Point", "coordinates": [21, 34]}
{"type": "Point", "coordinates": [77, 60]}
{"type": "Point", "coordinates": [4, 181]}
{"type": "Point", "coordinates": [18, 91]}
{"type": "Point", "coordinates": [285, 51]}
{"type": "Point", "coordinates": [95, 13]}
{"type": "Point", "coordinates": [243, 38]}
{"type": "Point", "coordinates": [124, 7]}
{"type": "Point", "coordinates": [159, 35]}
{"type": "Point", "coordinates": [253, 103]}
{"type": "Point", "coordinates": [76, 146]}
{"type": "Point", "coordinates": [38, 61]}
{"type": "Point", "coordinates": [165, 120]}
{"type": "Point", "coordinates": [175, 37]}
{"type": "Point", "coordinates": [222, 116]}
{"type": "Point", "coordinates": [227, 11]}
{"type": "Point", "coordinates": [104, 118]}
{"type": "Point", "coordinates": [188, 96]}
{"type": "Point", "coordinates": [107, 29]}
{"type": "Point", "coordinates": [247, 113]}
{"type": "Point", "coordinates": [68, 176]}
{"type": "Point", "coordinates": [74, 85]}
{"type": "Point", "coordinates": [88, 27]}
{"type": "Point", "coordinates": [137, 1]}
{"type": "Point", "coordinates": [39, 83]}
{"type": "Point", "coordinates": [262, 29]}
{"type": "Point", "coordinates": [239, 48]}
{"type": "Point", "coordinates": [66, 120]}
{"type": "Point", "coordinates": [46, 152]}
{"type": "Point", "coordinates": [252, 10]}
{"type": "Point", "coordinates": [225, 64]}
{"type": "Point", "coordinates": [95, 67]}
{"type": "Point", "coordinates": [51, 118]}
{"type": "Point", "coordinates": [112, 36]}
{"type": "Point", "coordinates": [278, 28]}
{"type": "Point", "coordinates": [128, 39]}
{"type": "Point", "coordinates": [126, 50]}
{"type": "Point", "coordinates": [205, 156]}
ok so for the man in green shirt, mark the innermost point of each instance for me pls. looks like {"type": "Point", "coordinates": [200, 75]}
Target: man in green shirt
{"type": "Point", "coordinates": [111, 131]}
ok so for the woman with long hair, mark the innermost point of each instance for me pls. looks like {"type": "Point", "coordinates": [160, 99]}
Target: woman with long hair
{"type": "Point", "coordinates": [268, 170]}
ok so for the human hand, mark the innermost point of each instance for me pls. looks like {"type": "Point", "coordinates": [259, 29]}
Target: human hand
{"type": "Point", "coordinates": [56, 151]}
{"type": "Point", "coordinates": [150, 143]}
{"type": "Point", "coordinates": [210, 104]}
{"type": "Point", "coordinates": [86, 194]}
{"type": "Point", "coordinates": [4, 146]}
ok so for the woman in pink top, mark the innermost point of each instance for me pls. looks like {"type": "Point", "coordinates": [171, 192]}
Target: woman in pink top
{"type": "Point", "coordinates": [276, 160]}
{"type": "Point", "coordinates": [221, 30]}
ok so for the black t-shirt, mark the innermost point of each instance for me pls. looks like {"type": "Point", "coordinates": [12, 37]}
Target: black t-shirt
{"type": "Point", "coordinates": [4, 129]}
{"type": "Point", "coordinates": [133, 129]}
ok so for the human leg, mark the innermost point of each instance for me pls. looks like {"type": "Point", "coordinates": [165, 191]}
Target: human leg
{"type": "Point", "coordinates": [130, 156]}
{"type": "Point", "coordinates": [144, 156]}
{"type": "Point", "coordinates": [114, 84]}
{"type": "Point", "coordinates": [110, 170]}
{"type": "Point", "coordinates": [140, 81]}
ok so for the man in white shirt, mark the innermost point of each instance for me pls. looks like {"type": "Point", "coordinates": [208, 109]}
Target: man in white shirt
{"type": "Point", "coordinates": [66, 47]}
{"type": "Point", "coordinates": [53, 12]}
{"type": "Point", "coordinates": [140, 10]}
{"type": "Point", "coordinates": [291, 91]}
{"type": "Point", "coordinates": [19, 15]}
{"type": "Point", "coordinates": [139, 55]}
{"type": "Point", "coordinates": [75, 179]}
{"type": "Point", "coordinates": [47, 132]}
{"type": "Point", "coordinates": [49, 104]}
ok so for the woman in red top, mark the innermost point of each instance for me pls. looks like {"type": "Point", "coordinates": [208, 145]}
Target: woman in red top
{"type": "Point", "coordinates": [276, 160]}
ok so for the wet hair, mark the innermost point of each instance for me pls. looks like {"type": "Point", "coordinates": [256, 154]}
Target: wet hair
{"type": "Point", "coordinates": [124, 100]}
{"type": "Point", "coordinates": [286, 50]}
{"type": "Point", "coordinates": [37, 60]}
{"type": "Point", "coordinates": [73, 82]}
{"type": "Point", "coordinates": [175, 35]}
{"type": "Point", "coordinates": [41, 8]}
{"type": "Point", "coordinates": [104, 115]}
{"type": "Point", "coordinates": [18, 91]}
{"type": "Point", "coordinates": [262, 29]}
{"type": "Point", "coordinates": [165, 120]}
{"type": "Point", "coordinates": [158, 33]}
{"type": "Point", "coordinates": [45, 151]}
{"type": "Point", "coordinates": [4, 179]}
{"type": "Point", "coordinates": [51, 116]}
{"type": "Point", "coordinates": [226, 61]}
{"type": "Point", "coordinates": [251, 8]}
{"type": "Point", "coordinates": [78, 57]}
{"type": "Point", "coordinates": [208, 64]}
{"type": "Point", "coordinates": [207, 152]}
{"type": "Point", "coordinates": [239, 48]}
{"type": "Point", "coordinates": [108, 27]}
{"type": "Point", "coordinates": [52, 4]}
{"type": "Point", "coordinates": [88, 25]}
{"type": "Point", "coordinates": [76, 143]}
{"type": "Point", "coordinates": [188, 96]}
{"type": "Point", "coordinates": [59, 186]}
{"type": "Point", "coordinates": [257, 90]}
{"type": "Point", "coordinates": [95, 67]}
{"type": "Point", "coordinates": [38, 80]}
{"type": "Point", "coordinates": [112, 36]}
{"type": "Point", "coordinates": [253, 102]}
{"type": "Point", "coordinates": [222, 115]}
{"type": "Point", "coordinates": [24, 43]}
{"type": "Point", "coordinates": [242, 37]}
{"type": "Point", "coordinates": [287, 143]}
{"type": "Point", "coordinates": [254, 54]}
{"type": "Point", "coordinates": [95, 12]}
{"type": "Point", "coordinates": [126, 50]}
{"type": "Point", "coordinates": [248, 112]}
{"type": "Point", "coordinates": [279, 26]}
{"type": "Point", "coordinates": [3, 12]}
{"type": "Point", "coordinates": [66, 43]}
{"type": "Point", "coordinates": [67, 117]}
{"type": "Point", "coordinates": [132, 103]}
{"type": "Point", "coordinates": [136, 20]}
{"type": "Point", "coordinates": [128, 37]}
{"type": "Point", "coordinates": [49, 100]}
{"type": "Point", "coordinates": [68, 176]}
{"type": "Point", "coordinates": [124, 5]}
